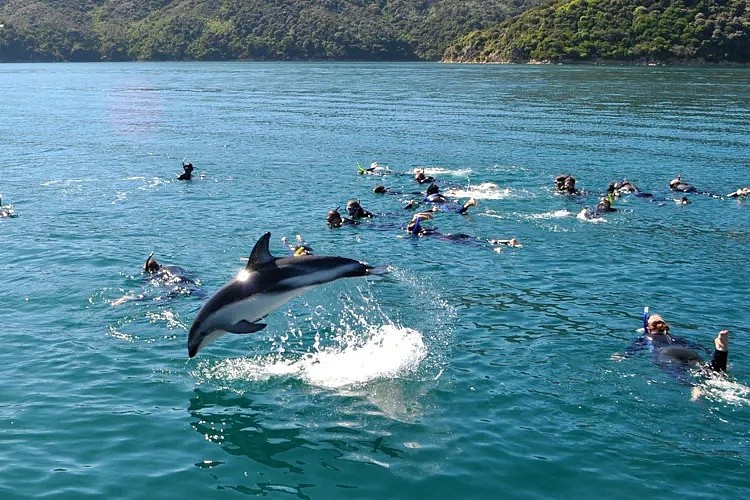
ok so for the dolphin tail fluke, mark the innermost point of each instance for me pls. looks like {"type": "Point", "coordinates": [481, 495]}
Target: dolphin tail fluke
{"type": "Point", "coordinates": [246, 327]}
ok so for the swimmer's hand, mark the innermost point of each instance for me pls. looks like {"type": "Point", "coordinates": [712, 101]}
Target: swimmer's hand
{"type": "Point", "coordinates": [722, 341]}
{"type": "Point", "coordinates": [618, 356]}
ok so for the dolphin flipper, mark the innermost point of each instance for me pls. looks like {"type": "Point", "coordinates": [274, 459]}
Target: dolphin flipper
{"type": "Point", "coordinates": [246, 327]}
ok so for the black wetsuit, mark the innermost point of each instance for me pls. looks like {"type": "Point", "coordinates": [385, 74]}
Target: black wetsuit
{"type": "Point", "coordinates": [676, 354]}
{"type": "Point", "coordinates": [187, 174]}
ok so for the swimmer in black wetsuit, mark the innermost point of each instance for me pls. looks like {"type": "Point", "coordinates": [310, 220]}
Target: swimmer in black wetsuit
{"type": "Point", "coordinates": [441, 202]}
{"type": "Point", "coordinates": [188, 172]}
{"type": "Point", "coordinates": [566, 184]}
{"type": "Point", "coordinates": [624, 186]}
{"type": "Point", "coordinates": [741, 192]}
{"type": "Point", "coordinates": [375, 169]}
{"type": "Point", "coordinates": [166, 282]}
{"type": "Point", "coordinates": [604, 206]}
{"type": "Point", "coordinates": [7, 210]}
{"type": "Point", "coordinates": [676, 354]}
{"type": "Point", "coordinates": [173, 275]}
{"type": "Point", "coordinates": [335, 219]}
{"type": "Point", "coordinates": [416, 229]}
{"type": "Point", "coordinates": [677, 184]}
{"type": "Point", "coordinates": [421, 178]}
{"type": "Point", "coordinates": [380, 189]}
{"type": "Point", "coordinates": [355, 210]}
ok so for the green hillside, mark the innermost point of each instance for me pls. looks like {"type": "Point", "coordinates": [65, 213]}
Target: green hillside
{"type": "Point", "coordinates": [616, 30]}
{"type": "Point", "coordinates": [116, 30]}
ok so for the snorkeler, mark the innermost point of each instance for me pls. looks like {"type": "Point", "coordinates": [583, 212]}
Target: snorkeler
{"type": "Point", "coordinates": [355, 210]}
{"type": "Point", "coordinates": [167, 282]}
{"type": "Point", "coordinates": [416, 229]}
{"type": "Point", "coordinates": [678, 185]}
{"type": "Point", "coordinates": [300, 247]}
{"type": "Point", "coordinates": [188, 172]}
{"type": "Point", "coordinates": [741, 192]}
{"type": "Point", "coordinates": [335, 219]}
{"type": "Point", "coordinates": [421, 178]}
{"type": "Point", "coordinates": [624, 186]}
{"type": "Point", "coordinates": [6, 210]}
{"type": "Point", "coordinates": [566, 184]}
{"type": "Point", "coordinates": [604, 206]}
{"type": "Point", "coordinates": [380, 189]}
{"type": "Point", "coordinates": [374, 168]}
{"type": "Point", "coordinates": [675, 353]}
{"type": "Point", "coordinates": [513, 242]}
{"type": "Point", "coordinates": [441, 202]}
{"type": "Point", "coordinates": [165, 274]}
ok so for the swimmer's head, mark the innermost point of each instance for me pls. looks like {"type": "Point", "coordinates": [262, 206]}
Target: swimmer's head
{"type": "Point", "coordinates": [334, 218]}
{"type": "Point", "coordinates": [151, 266]}
{"type": "Point", "coordinates": [379, 189]}
{"type": "Point", "coordinates": [656, 325]}
{"type": "Point", "coordinates": [352, 207]}
{"type": "Point", "coordinates": [432, 189]}
{"type": "Point", "coordinates": [188, 167]}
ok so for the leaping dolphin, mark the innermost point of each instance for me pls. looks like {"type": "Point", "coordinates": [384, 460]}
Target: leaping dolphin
{"type": "Point", "coordinates": [266, 283]}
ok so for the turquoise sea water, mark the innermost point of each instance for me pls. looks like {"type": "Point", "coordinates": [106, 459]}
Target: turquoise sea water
{"type": "Point", "coordinates": [467, 373]}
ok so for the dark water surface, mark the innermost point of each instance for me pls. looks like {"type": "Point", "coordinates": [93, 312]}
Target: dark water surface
{"type": "Point", "coordinates": [470, 372]}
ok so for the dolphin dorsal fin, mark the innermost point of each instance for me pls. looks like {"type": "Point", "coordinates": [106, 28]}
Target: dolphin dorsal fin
{"type": "Point", "coordinates": [260, 254]}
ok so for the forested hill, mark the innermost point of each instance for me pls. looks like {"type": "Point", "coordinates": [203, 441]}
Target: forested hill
{"type": "Point", "coordinates": [118, 30]}
{"type": "Point", "coordinates": [616, 30]}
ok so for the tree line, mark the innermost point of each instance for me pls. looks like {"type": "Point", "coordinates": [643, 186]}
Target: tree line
{"type": "Point", "coordinates": [128, 30]}
{"type": "Point", "coordinates": [615, 30]}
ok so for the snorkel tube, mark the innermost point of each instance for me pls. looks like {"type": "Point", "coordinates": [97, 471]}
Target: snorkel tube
{"type": "Point", "coordinates": [645, 319]}
{"type": "Point", "coordinates": [147, 265]}
{"type": "Point", "coordinates": [417, 227]}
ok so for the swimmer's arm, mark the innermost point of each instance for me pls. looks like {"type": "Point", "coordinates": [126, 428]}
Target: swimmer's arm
{"type": "Point", "coordinates": [718, 362]}
{"type": "Point", "coordinates": [638, 344]}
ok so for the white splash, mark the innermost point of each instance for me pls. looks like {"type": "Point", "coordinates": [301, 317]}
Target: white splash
{"type": "Point", "coordinates": [484, 191]}
{"type": "Point", "coordinates": [168, 317]}
{"type": "Point", "coordinates": [386, 352]}
{"type": "Point", "coordinates": [433, 171]}
{"type": "Point", "coordinates": [555, 214]}
{"type": "Point", "coordinates": [722, 390]}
